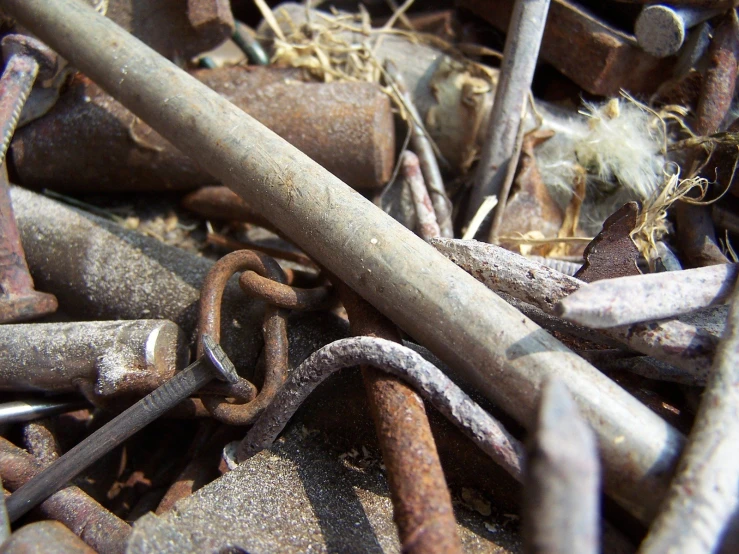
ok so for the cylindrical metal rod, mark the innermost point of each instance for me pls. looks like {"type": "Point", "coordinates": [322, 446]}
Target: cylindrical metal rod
{"type": "Point", "coordinates": [490, 343]}
{"type": "Point", "coordinates": [519, 61]}
{"type": "Point", "coordinates": [28, 410]}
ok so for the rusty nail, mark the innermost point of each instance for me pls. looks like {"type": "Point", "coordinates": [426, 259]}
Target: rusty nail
{"type": "Point", "coordinates": [660, 30]}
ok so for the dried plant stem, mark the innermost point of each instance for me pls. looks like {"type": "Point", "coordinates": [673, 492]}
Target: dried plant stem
{"type": "Point", "coordinates": [428, 228]}
{"type": "Point", "coordinates": [561, 506]}
{"type": "Point", "coordinates": [637, 298]}
{"type": "Point", "coordinates": [684, 346]}
{"type": "Point", "coordinates": [703, 497]}
{"type": "Point", "coordinates": [517, 71]}
{"type": "Point", "coordinates": [426, 378]}
{"type": "Point", "coordinates": [425, 152]}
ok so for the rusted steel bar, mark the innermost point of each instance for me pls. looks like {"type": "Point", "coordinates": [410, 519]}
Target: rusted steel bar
{"type": "Point", "coordinates": [18, 299]}
{"type": "Point", "coordinates": [475, 332]}
{"type": "Point", "coordinates": [523, 39]}
{"type": "Point", "coordinates": [87, 519]}
{"type": "Point", "coordinates": [698, 513]}
{"type": "Point", "coordinates": [696, 234]}
{"type": "Point", "coordinates": [720, 78]}
{"type": "Point", "coordinates": [428, 226]}
{"type": "Point", "coordinates": [91, 142]}
{"type": "Point", "coordinates": [562, 484]}
{"type": "Point", "coordinates": [101, 359]}
{"type": "Point", "coordinates": [422, 505]}
{"type": "Point", "coordinates": [45, 536]}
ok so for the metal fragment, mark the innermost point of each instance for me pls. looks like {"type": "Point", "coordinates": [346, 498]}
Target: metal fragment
{"type": "Point", "coordinates": [489, 435]}
{"type": "Point", "coordinates": [612, 253]}
{"type": "Point", "coordinates": [682, 345]}
{"type": "Point", "coordinates": [274, 329]}
{"type": "Point", "coordinates": [575, 38]}
{"type": "Point", "coordinates": [90, 142]}
{"type": "Point", "coordinates": [426, 155]}
{"type": "Point", "coordinates": [637, 298]}
{"type": "Point", "coordinates": [661, 30]}
{"type": "Point", "coordinates": [562, 503]}
{"type": "Point", "coordinates": [18, 299]}
{"type": "Point", "coordinates": [427, 225]}
{"type": "Point", "coordinates": [488, 342]}
{"type": "Point", "coordinates": [36, 408]}
{"type": "Point", "coordinates": [87, 519]}
{"type": "Point", "coordinates": [214, 363]}
{"type": "Point", "coordinates": [697, 514]}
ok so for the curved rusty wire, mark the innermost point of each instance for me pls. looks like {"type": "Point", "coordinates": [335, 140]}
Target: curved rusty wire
{"type": "Point", "coordinates": [285, 296]}
{"type": "Point", "coordinates": [274, 329]}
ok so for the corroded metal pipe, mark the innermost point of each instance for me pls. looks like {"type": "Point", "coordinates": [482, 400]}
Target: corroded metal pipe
{"type": "Point", "coordinates": [101, 359]}
{"type": "Point", "coordinates": [91, 142]}
{"type": "Point", "coordinates": [488, 342]}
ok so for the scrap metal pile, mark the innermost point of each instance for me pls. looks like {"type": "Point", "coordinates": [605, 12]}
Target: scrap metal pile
{"type": "Point", "coordinates": [243, 308]}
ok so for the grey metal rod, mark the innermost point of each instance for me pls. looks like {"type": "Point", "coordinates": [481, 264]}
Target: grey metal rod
{"type": "Point", "coordinates": [488, 342]}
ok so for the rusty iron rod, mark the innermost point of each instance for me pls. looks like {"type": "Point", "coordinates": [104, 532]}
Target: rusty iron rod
{"type": "Point", "coordinates": [422, 505]}
{"type": "Point", "coordinates": [474, 331]}
{"type": "Point", "coordinates": [95, 525]}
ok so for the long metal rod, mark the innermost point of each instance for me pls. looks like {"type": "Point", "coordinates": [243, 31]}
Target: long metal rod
{"type": "Point", "coordinates": [703, 499]}
{"type": "Point", "coordinates": [488, 342]}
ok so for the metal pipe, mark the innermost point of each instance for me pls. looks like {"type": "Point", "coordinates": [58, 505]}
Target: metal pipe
{"type": "Point", "coordinates": [474, 331]}
{"type": "Point", "coordinates": [100, 359]}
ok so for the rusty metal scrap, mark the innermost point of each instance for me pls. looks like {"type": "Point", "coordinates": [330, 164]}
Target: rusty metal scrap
{"type": "Point", "coordinates": [18, 299]}
{"type": "Point", "coordinates": [422, 505]}
{"type": "Point", "coordinates": [45, 536]}
{"type": "Point", "coordinates": [295, 194]}
{"type": "Point", "coordinates": [449, 399]}
{"type": "Point", "coordinates": [87, 519]}
{"type": "Point", "coordinates": [90, 141]}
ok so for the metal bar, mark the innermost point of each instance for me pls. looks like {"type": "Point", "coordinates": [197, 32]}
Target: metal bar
{"type": "Point", "coordinates": [497, 349]}
{"type": "Point", "coordinates": [521, 52]}
{"type": "Point", "coordinates": [422, 505]}
{"type": "Point", "coordinates": [703, 498]}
